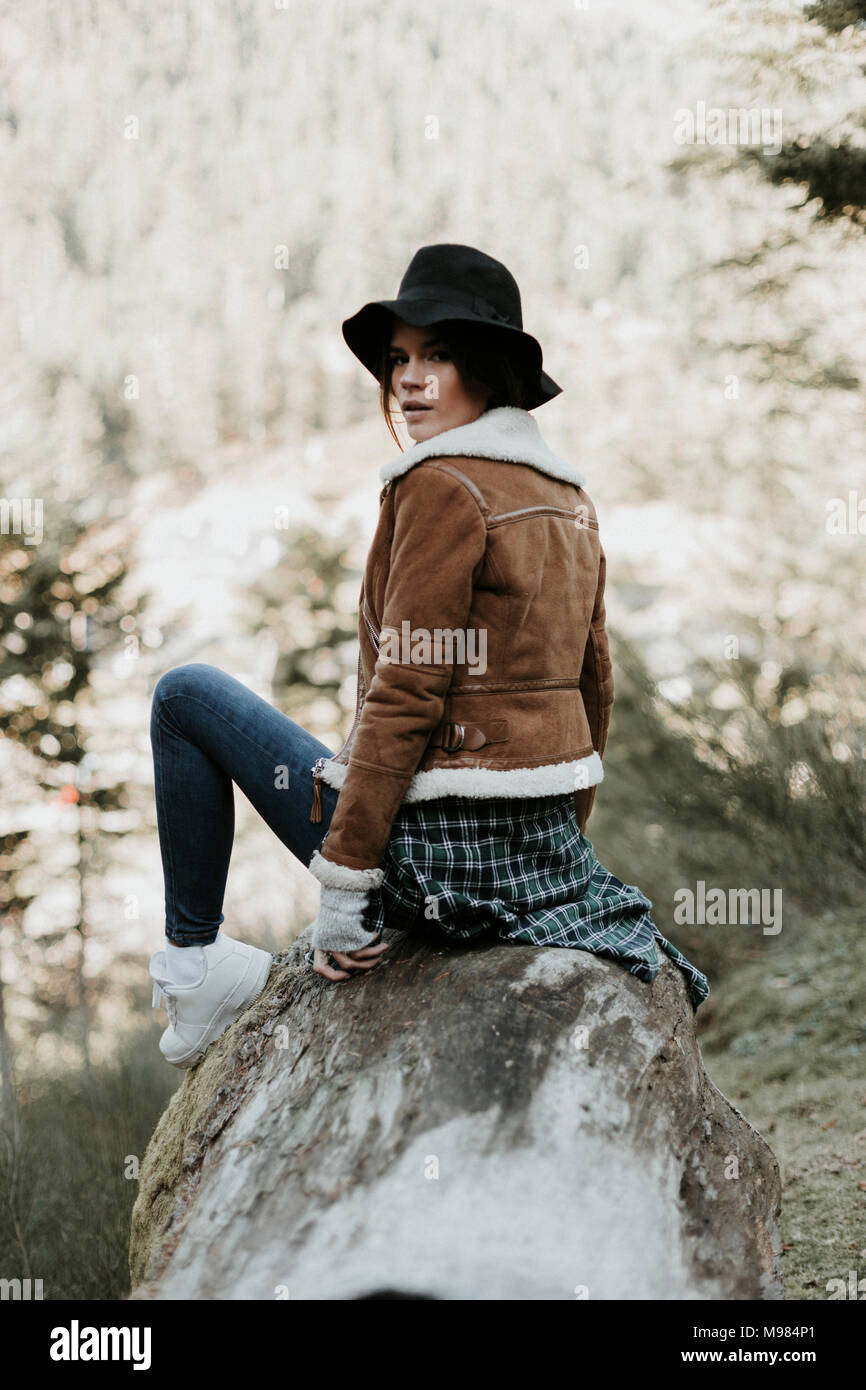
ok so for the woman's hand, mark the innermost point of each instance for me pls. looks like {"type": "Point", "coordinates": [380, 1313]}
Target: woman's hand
{"type": "Point", "coordinates": [364, 959]}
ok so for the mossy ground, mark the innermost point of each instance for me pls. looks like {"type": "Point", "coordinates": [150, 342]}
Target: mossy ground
{"type": "Point", "coordinates": [787, 1044]}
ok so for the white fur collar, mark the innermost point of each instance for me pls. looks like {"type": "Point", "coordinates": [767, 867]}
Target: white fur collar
{"type": "Point", "coordinates": [506, 433]}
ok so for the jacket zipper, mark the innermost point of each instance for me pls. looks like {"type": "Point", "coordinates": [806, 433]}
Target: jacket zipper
{"type": "Point", "coordinates": [316, 769]}
{"type": "Point", "coordinates": [374, 637]}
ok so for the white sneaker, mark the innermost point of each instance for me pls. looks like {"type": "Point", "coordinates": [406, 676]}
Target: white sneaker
{"type": "Point", "coordinates": [199, 1014]}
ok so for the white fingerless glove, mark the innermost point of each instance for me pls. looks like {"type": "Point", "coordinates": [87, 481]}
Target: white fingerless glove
{"type": "Point", "coordinates": [345, 897]}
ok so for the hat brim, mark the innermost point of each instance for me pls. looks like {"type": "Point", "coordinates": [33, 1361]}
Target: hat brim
{"type": "Point", "coordinates": [363, 335]}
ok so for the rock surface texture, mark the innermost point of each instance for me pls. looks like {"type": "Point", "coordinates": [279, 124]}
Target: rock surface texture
{"type": "Point", "coordinates": [493, 1122]}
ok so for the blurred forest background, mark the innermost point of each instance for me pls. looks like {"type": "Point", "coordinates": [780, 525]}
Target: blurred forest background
{"type": "Point", "coordinates": [195, 194]}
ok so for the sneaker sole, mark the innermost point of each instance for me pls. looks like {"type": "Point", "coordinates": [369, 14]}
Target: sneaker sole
{"type": "Point", "coordinates": [228, 1012]}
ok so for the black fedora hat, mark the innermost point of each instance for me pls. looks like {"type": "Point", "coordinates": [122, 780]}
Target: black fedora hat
{"type": "Point", "coordinates": [445, 282]}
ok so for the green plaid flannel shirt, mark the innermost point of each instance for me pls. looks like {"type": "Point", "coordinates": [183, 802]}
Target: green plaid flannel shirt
{"type": "Point", "coordinates": [515, 869]}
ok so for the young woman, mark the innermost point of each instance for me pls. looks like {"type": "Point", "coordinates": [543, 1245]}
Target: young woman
{"type": "Point", "coordinates": [458, 803]}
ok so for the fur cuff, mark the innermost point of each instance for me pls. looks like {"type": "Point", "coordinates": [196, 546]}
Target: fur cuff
{"type": "Point", "coordinates": [332, 875]}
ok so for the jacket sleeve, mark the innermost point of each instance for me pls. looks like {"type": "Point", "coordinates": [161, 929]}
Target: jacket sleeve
{"type": "Point", "coordinates": [438, 546]}
{"type": "Point", "coordinates": [596, 687]}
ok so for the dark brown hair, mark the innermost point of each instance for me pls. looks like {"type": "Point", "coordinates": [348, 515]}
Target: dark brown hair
{"type": "Point", "coordinates": [487, 364]}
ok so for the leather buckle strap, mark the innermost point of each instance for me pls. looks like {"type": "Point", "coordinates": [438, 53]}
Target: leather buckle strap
{"type": "Point", "coordinates": [453, 737]}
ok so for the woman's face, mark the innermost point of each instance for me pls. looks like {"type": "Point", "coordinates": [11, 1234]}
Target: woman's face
{"type": "Point", "coordinates": [423, 373]}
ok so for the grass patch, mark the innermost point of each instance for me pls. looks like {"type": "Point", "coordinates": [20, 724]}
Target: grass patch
{"type": "Point", "coordinates": [66, 1202]}
{"type": "Point", "coordinates": [788, 1046]}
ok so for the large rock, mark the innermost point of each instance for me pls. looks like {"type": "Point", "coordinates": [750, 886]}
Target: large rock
{"type": "Point", "coordinates": [494, 1122]}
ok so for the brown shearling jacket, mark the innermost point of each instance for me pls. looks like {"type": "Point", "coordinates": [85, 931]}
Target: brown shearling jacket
{"type": "Point", "coordinates": [488, 538]}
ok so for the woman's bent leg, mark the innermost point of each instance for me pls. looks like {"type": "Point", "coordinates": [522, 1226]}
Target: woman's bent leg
{"type": "Point", "coordinates": [207, 731]}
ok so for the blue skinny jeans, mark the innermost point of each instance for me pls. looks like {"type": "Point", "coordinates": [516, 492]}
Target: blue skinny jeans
{"type": "Point", "coordinates": [207, 731]}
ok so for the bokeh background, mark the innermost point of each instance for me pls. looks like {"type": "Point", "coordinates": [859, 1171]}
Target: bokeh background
{"type": "Point", "coordinates": [195, 194]}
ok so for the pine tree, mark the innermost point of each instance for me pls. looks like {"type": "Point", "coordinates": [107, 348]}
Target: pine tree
{"type": "Point", "coordinates": [60, 612]}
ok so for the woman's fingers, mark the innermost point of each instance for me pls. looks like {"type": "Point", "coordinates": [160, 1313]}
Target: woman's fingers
{"type": "Point", "coordinates": [357, 960]}
{"type": "Point", "coordinates": [321, 967]}
{"type": "Point", "coordinates": [374, 950]}
{"type": "Point", "coordinates": [365, 958]}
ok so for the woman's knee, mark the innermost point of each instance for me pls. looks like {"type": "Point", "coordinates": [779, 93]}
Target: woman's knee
{"type": "Point", "coordinates": [188, 679]}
